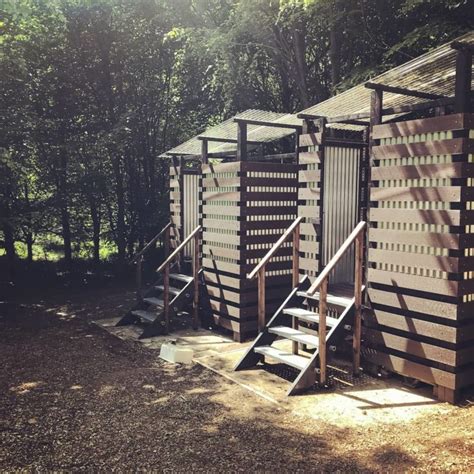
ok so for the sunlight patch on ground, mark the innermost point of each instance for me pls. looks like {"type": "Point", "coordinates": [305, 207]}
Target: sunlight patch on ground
{"type": "Point", "coordinates": [76, 387]}
{"type": "Point", "coordinates": [25, 387]}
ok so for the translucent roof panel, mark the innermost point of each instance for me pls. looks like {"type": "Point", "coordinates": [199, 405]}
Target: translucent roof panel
{"type": "Point", "coordinates": [433, 72]}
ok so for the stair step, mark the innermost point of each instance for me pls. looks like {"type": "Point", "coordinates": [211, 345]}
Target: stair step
{"type": "Point", "coordinates": [309, 316]}
{"type": "Point", "coordinates": [293, 360]}
{"type": "Point", "coordinates": [154, 301]}
{"type": "Point", "coordinates": [295, 335]}
{"type": "Point", "coordinates": [340, 301]}
{"type": "Point", "coordinates": [173, 291]}
{"type": "Point", "coordinates": [181, 277]}
{"type": "Point", "coordinates": [146, 315]}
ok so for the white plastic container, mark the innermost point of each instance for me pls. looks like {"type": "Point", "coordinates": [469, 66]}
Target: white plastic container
{"type": "Point", "coordinates": [172, 352]}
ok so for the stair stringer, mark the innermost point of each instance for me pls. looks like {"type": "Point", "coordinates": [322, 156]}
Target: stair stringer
{"type": "Point", "coordinates": [307, 377]}
{"type": "Point", "coordinates": [176, 304]}
{"type": "Point", "coordinates": [251, 358]}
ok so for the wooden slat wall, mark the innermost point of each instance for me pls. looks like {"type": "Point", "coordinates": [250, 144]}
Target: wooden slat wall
{"type": "Point", "coordinates": [309, 200]}
{"type": "Point", "coordinates": [175, 204]}
{"type": "Point", "coordinates": [421, 287]}
{"type": "Point", "coordinates": [246, 206]}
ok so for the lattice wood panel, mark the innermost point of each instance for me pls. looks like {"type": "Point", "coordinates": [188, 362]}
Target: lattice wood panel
{"type": "Point", "coordinates": [309, 204]}
{"type": "Point", "coordinates": [175, 184]}
{"type": "Point", "coordinates": [422, 246]}
{"type": "Point", "coordinates": [246, 206]}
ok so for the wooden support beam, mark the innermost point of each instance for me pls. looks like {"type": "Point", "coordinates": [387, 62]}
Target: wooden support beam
{"type": "Point", "coordinates": [265, 123]}
{"type": "Point", "coordinates": [227, 140]}
{"type": "Point", "coordinates": [204, 151]}
{"type": "Point", "coordinates": [359, 248]}
{"type": "Point", "coordinates": [242, 141]}
{"type": "Point", "coordinates": [323, 294]}
{"type": "Point", "coordinates": [462, 88]}
{"type": "Point", "coordinates": [308, 116]}
{"type": "Point", "coordinates": [403, 91]}
{"type": "Point", "coordinates": [462, 46]}
{"type": "Point", "coordinates": [196, 280]}
{"type": "Point", "coordinates": [261, 299]}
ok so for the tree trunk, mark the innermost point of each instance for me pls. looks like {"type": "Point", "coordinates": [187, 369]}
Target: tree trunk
{"type": "Point", "coordinates": [9, 245]}
{"type": "Point", "coordinates": [335, 56]}
{"type": "Point", "coordinates": [63, 204]}
{"type": "Point", "coordinates": [95, 232]}
{"type": "Point", "coordinates": [299, 44]}
{"type": "Point", "coordinates": [29, 247]}
{"type": "Point", "coordinates": [120, 228]}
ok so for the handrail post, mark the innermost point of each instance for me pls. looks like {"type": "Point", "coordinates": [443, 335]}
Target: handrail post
{"type": "Point", "coordinates": [359, 248]}
{"type": "Point", "coordinates": [166, 286]}
{"type": "Point", "coordinates": [323, 293]}
{"type": "Point", "coordinates": [196, 281]}
{"type": "Point", "coordinates": [296, 276]}
{"type": "Point", "coordinates": [261, 299]}
{"type": "Point", "coordinates": [139, 279]}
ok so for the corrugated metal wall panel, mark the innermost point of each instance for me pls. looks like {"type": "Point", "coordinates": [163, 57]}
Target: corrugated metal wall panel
{"type": "Point", "coordinates": [190, 207]}
{"type": "Point", "coordinates": [341, 198]}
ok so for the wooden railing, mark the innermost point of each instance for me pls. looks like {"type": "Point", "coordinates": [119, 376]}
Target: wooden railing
{"type": "Point", "coordinates": [138, 258]}
{"type": "Point", "coordinates": [321, 284]}
{"type": "Point", "coordinates": [165, 267]}
{"type": "Point", "coordinates": [259, 270]}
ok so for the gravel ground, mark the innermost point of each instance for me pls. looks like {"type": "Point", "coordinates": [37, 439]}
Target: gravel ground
{"type": "Point", "coordinates": [73, 397]}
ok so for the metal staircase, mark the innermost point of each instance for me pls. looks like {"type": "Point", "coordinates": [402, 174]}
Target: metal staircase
{"type": "Point", "coordinates": [314, 321]}
{"type": "Point", "coordinates": [169, 295]}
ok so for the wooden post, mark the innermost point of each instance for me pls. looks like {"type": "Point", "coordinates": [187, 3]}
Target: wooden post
{"type": "Point", "coordinates": [139, 279]}
{"type": "Point", "coordinates": [182, 212]}
{"type": "Point", "coordinates": [296, 275]}
{"type": "Point", "coordinates": [166, 296]}
{"type": "Point", "coordinates": [322, 191]}
{"type": "Point", "coordinates": [204, 151]}
{"type": "Point", "coordinates": [242, 141]}
{"type": "Point", "coordinates": [462, 89]}
{"type": "Point", "coordinates": [261, 299]}
{"type": "Point", "coordinates": [196, 281]}
{"type": "Point", "coordinates": [166, 289]}
{"type": "Point", "coordinates": [323, 293]}
{"type": "Point", "coordinates": [359, 248]}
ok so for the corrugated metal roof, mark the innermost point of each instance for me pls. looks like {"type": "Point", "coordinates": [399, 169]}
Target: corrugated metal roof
{"type": "Point", "coordinates": [433, 72]}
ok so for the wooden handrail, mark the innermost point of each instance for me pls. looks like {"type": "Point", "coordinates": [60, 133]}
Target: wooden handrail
{"type": "Point", "coordinates": [166, 277]}
{"type": "Point", "coordinates": [150, 243]}
{"type": "Point", "coordinates": [337, 256]}
{"type": "Point", "coordinates": [322, 282]}
{"type": "Point", "coordinates": [179, 248]}
{"type": "Point", "coordinates": [275, 247]}
{"type": "Point", "coordinates": [259, 271]}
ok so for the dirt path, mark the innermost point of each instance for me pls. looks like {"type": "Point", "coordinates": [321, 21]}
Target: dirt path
{"type": "Point", "coordinates": [73, 397]}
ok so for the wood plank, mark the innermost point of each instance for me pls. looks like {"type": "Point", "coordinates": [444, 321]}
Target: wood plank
{"type": "Point", "coordinates": [453, 146]}
{"type": "Point", "coordinates": [432, 239]}
{"type": "Point", "coordinates": [218, 182]}
{"type": "Point", "coordinates": [274, 182]}
{"type": "Point", "coordinates": [440, 193]}
{"type": "Point", "coordinates": [309, 193]}
{"type": "Point", "coordinates": [450, 217]}
{"type": "Point", "coordinates": [209, 237]}
{"type": "Point", "coordinates": [270, 211]}
{"type": "Point", "coordinates": [425, 125]}
{"type": "Point", "coordinates": [309, 176]}
{"type": "Point", "coordinates": [309, 157]}
{"type": "Point", "coordinates": [419, 327]}
{"type": "Point", "coordinates": [209, 209]}
{"type": "Point", "coordinates": [219, 266]}
{"type": "Point", "coordinates": [309, 229]}
{"type": "Point", "coordinates": [231, 167]}
{"type": "Point", "coordinates": [422, 350]}
{"type": "Point", "coordinates": [221, 196]}
{"type": "Point", "coordinates": [309, 246]}
{"type": "Point", "coordinates": [408, 304]}
{"type": "Point", "coordinates": [221, 252]}
{"type": "Point", "coordinates": [412, 369]}
{"type": "Point", "coordinates": [270, 196]}
{"type": "Point", "coordinates": [309, 212]}
{"type": "Point", "coordinates": [414, 282]}
{"type": "Point", "coordinates": [310, 139]}
{"type": "Point", "coordinates": [258, 166]}
{"type": "Point", "coordinates": [208, 223]}
{"type": "Point", "coordinates": [236, 326]}
{"type": "Point", "coordinates": [434, 171]}
{"type": "Point", "coordinates": [409, 259]}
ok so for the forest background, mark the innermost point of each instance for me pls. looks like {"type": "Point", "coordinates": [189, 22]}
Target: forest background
{"type": "Point", "coordinates": [92, 91]}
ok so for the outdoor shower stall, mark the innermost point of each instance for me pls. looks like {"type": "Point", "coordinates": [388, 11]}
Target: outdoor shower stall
{"type": "Point", "coordinates": [397, 158]}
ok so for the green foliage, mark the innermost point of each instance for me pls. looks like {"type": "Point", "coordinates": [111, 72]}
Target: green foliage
{"type": "Point", "coordinates": [92, 91]}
